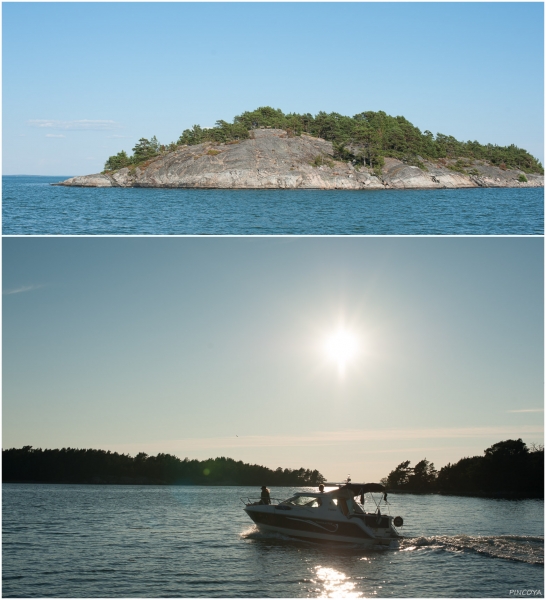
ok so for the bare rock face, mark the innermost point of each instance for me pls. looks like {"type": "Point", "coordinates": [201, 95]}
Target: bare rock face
{"type": "Point", "coordinates": [273, 159]}
{"type": "Point", "coordinates": [98, 180]}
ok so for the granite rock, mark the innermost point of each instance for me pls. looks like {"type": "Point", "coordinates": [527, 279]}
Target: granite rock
{"type": "Point", "coordinates": [273, 159]}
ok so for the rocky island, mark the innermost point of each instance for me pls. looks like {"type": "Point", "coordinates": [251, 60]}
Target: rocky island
{"type": "Point", "coordinates": [269, 150]}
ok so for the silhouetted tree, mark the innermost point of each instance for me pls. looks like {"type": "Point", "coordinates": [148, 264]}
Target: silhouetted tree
{"type": "Point", "coordinates": [507, 467]}
{"type": "Point", "coordinates": [399, 478]}
{"type": "Point", "coordinates": [70, 465]}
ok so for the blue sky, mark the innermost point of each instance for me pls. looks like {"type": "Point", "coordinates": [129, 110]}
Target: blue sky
{"type": "Point", "coordinates": [82, 81]}
{"type": "Point", "coordinates": [215, 347]}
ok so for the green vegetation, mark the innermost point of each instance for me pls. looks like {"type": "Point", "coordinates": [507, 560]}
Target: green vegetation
{"type": "Point", "coordinates": [365, 139]}
{"type": "Point", "coordinates": [143, 151]}
{"type": "Point", "coordinates": [522, 178]}
{"type": "Point", "coordinates": [460, 165]}
{"type": "Point", "coordinates": [70, 465]}
{"type": "Point", "coordinates": [321, 160]}
{"type": "Point", "coordinates": [507, 468]}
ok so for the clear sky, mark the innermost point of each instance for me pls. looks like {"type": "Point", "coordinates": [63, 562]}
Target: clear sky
{"type": "Point", "coordinates": [82, 81]}
{"type": "Point", "coordinates": [216, 347]}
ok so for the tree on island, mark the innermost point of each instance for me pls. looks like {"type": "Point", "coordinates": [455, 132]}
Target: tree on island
{"type": "Point", "coordinates": [507, 467]}
{"type": "Point", "coordinates": [366, 138]}
{"type": "Point", "coordinates": [422, 477]}
{"type": "Point", "coordinates": [71, 465]}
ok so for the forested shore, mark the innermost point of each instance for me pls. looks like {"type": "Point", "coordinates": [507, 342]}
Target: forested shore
{"type": "Point", "coordinates": [508, 469]}
{"type": "Point", "coordinates": [70, 465]}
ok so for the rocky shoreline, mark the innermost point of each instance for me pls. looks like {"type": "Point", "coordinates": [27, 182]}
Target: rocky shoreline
{"type": "Point", "coordinates": [272, 159]}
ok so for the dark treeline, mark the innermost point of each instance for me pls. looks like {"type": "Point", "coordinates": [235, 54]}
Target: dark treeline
{"type": "Point", "coordinates": [366, 139]}
{"type": "Point", "coordinates": [507, 468]}
{"type": "Point", "coordinates": [70, 465]}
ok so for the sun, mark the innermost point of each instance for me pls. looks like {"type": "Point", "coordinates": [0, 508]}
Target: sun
{"type": "Point", "coordinates": [341, 347]}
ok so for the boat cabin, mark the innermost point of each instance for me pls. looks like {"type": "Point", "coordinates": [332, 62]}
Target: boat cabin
{"type": "Point", "coordinates": [335, 500]}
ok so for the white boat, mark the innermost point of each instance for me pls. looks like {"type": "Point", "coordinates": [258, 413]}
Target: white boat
{"type": "Point", "coordinates": [332, 516]}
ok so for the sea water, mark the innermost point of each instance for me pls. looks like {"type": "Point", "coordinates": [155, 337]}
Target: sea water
{"type": "Point", "coordinates": [30, 205]}
{"type": "Point", "coordinates": [190, 541]}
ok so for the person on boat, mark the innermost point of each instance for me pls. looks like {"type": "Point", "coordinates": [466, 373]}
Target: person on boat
{"type": "Point", "coordinates": [265, 498]}
{"type": "Point", "coordinates": [321, 488]}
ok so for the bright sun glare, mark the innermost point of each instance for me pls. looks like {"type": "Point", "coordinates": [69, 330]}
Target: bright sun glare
{"type": "Point", "coordinates": [341, 347]}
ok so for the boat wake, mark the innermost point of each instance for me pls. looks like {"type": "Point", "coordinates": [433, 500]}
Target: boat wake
{"type": "Point", "coordinates": [253, 533]}
{"type": "Point", "coordinates": [520, 548]}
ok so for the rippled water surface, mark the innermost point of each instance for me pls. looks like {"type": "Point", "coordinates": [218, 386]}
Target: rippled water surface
{"type": "Point", "coordinates": [156, 541]}
{"type": "Point", "coordinates": [30, 205]}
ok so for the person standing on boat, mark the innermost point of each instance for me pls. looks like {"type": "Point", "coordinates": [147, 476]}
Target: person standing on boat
{"type": "Point", "coordinates": [265, 497]}
{"type": "Point", "coordinates": [321, 488]}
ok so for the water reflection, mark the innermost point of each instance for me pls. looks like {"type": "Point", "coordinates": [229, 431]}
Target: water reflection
{"type": "Point", "coordinates": [335, 584]}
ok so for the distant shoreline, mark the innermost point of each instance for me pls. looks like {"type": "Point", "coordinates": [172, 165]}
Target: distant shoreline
{"type": "Point", "coordinates": [505, 495]}
{"type": "Point", "coordinates": [100, 467]}
{"type": "Point", "coordinates": [158, 483]}
{"type": "Point", "coordinates": [29, 175]}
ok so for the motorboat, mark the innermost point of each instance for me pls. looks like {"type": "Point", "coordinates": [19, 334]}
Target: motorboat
{"type": "Point", "coordinates": [333, 516]}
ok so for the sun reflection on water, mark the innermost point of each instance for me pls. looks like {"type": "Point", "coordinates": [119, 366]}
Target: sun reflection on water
{"type": "Point", "coordinates": [335, 584]}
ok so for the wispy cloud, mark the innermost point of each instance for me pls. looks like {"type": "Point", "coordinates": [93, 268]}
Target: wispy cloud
{"type": "Point", "coordinates": [77, 125]}
{"type": "Point", "coordinates": [527, 410]}
{"type": "Point", "coordinates": [21, 289]}
{"type": "Point", "coordinates": [55, 135]}
{"type": "Point", "coordinates": [336, 438]}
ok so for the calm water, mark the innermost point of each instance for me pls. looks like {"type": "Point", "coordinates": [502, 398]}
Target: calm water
{"type": "Point", "coordinates": [68, 540]}
{"type": "Point", "coordinates": [31, 206]}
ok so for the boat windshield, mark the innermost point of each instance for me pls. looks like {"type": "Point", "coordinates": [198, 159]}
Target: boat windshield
{"type": "Point", "coordinates": [348, 506]}
{"type": "Point", "coordinates": [354, 507]}
{"type": "Point", "coordinates": [304, 501]}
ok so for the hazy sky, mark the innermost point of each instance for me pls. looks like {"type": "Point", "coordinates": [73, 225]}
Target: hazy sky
{"type": "Point", "coordinates": [210, 347]}
{"type": "Point", "coordinates": [82, 81]}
